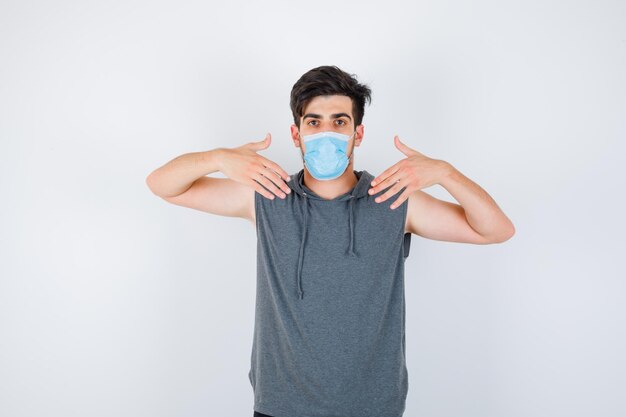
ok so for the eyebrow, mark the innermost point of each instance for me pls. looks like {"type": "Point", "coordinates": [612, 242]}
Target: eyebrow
{"type": "Point", "coordinates": [332, 116]}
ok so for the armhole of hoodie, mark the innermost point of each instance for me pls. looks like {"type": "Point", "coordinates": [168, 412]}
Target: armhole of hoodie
{"type": "Point", "coordinates": [257, 195]}
{"type": "Point", "coordinates": [406, 242]}
{"type": "Point", "coordinates": [256, 211]}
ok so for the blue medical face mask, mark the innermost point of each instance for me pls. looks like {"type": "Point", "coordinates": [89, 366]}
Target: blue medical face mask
{"type": "Point", "coordinates": [325, 155]}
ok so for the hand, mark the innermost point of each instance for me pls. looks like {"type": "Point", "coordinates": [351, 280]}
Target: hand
{"type": "Point", "coordinates": [244, 165]}
{"type": "Point", "coordinates": [414, 172]}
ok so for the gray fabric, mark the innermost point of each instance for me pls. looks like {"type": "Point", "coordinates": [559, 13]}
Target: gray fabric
{"type": "Point", "coordinates": [330, 313]}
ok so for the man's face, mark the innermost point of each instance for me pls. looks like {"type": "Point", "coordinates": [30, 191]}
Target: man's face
{"type": "Point", "coordinates": [324, 113]}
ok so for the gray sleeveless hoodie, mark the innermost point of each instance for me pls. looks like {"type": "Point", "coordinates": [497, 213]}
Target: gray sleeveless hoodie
{"type": "Point", "coordinates": [330, 315]}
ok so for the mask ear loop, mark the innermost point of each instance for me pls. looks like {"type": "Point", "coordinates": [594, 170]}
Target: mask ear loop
{"type": "Point", "coordinates": [352, 153]}
{"type": "Point", "coordinates": [300, 148]}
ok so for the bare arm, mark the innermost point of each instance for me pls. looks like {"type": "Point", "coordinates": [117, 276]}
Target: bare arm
{"type": "Point", "coordinates": [183, 180]}
{"type": "Point", "coordinates": [478, 219]}
{"type": "Point", "coordinates": [178, 175]}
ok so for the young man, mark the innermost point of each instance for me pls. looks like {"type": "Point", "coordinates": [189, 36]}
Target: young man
{"type": "Point", "coordinates": [330, 313]}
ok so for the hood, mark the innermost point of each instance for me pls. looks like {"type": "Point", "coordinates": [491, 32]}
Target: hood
{"type": "Point", "coordinates": [359, 191]}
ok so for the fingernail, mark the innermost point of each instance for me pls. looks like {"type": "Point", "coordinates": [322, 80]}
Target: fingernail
{"type": "Point", "coordinates": [288, 178]}
{"type": "Point", "coordinates": [378, 200]}
{"type": "Point", "coordinates": [373, 182]}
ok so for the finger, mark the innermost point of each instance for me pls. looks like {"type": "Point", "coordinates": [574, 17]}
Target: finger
{"type": "Point", "coordinates": [380, 178]}
{"type": "Point", "coordinates": [273, 165]}
{"type": "Point", "coordinates": [405, 194]}
{"type": "Point", "coordinates": [276, 179]}
{"type": "Point", "coordinates": [262, 144]}
{"type": "Point", "coordinates": [261, 190]}
{"type": "Point", "coordinates": [259, 177]}
{"type": "Point", "coordinates": [389, 181]}
{"type": "Point", "coordinates": [405, 149]}
{"type": "Point", "coordinates": [395, 183]}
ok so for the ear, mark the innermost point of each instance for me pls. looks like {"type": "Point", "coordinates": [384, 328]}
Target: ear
{"type": "Point", "coordinates": [359, 135]}
{"type": "Point", "coordinates": [294, 136]}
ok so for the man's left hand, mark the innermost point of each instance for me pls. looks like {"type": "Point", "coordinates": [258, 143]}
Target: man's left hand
{"type": "Point", "coordinates": [414, 172]}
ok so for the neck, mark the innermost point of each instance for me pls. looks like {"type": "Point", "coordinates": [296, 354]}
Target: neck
{"type": "Point", "coordinates": [332, 188]}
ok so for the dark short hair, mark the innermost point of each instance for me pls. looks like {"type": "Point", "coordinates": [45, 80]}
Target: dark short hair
{"type": "Point", "coordinates": [329, 80]}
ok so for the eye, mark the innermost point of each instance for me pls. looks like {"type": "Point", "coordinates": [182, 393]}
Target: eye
{"type": "Point", "coordinates": [311, 121]}
{"type": "Point", "coordinates": [343, 122]}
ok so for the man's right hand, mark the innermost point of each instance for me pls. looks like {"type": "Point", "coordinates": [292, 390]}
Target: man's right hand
{"type": "Point", "coordinates": [244, 165]}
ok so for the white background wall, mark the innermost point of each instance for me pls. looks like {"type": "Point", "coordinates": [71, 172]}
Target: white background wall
{"type": "Point", "coordinates": [116, 303]}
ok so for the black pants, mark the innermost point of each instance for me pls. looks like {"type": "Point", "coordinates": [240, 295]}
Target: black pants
{"type": "Point", "coordinates": [257, 414]}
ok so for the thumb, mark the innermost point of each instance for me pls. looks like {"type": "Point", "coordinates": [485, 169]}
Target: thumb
{"type": "Point", "coordinates": [262, 144]}
{"type": "Point", "coordinates": [402, 147]}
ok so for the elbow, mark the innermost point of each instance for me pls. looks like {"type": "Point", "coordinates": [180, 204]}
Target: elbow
{"type": "Point", "coordinates": [500, 236]}
{"type": "Point", "coordinates": [511, 230]}
{"type": "Point", "coordinates": [506, 235]}
{"type": "Point", "coordinates": [150, 182]}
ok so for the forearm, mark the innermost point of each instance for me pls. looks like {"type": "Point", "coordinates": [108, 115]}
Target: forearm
{"type": "Point", "coordinates": [177, 175]}
{"type": "Point", "coordinates": [481, 211]}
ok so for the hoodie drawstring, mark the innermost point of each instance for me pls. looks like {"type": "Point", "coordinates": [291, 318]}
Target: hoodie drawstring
{"type": "Point", "coordinates": [359, 191]}
{"type": "Point", "coordinates": [351, 250]}
{"type": "Point", "coordinates": [351, 213]}
{"type": "Point", "coordinates": [300, 257]}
